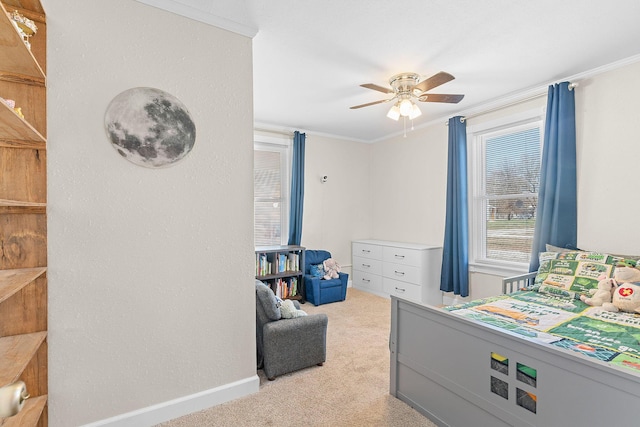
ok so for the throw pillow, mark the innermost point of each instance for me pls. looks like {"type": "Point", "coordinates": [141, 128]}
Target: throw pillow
{"type": "Point", "coordinates": [573, 271]}
{"type": "Point", "coordinates": [317, 270]}
{"type": "Point", "coordinates": [289, 310]}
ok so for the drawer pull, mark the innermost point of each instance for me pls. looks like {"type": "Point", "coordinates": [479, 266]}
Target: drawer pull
{"type": "Point", "coordinates": [366, 265]}
{"type": "Point", "coordinates": [399, 273]}
{"type": "Point", "coordinates": [366, 251]}
{"type": "Point", "coordinates": [399, 256]}
{"type": "Point", "coordinates": [366, 280]}
{"type": "Point", "coordinates": [400, 289]}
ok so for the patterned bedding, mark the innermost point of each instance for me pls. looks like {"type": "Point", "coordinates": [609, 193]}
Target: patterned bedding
{"type": "Point", "coordinates": [566, 323]}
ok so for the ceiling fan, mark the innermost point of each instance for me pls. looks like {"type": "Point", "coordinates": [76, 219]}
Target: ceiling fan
{"type": "Point", "coordinates": [406, 89]}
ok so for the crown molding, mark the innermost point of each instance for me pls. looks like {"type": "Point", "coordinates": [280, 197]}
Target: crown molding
{"type": "Point", "coordinates": [202, 16]}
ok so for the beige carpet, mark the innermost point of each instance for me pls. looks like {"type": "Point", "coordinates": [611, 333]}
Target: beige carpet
{"type": "Point", "coordinates": [350, 389]}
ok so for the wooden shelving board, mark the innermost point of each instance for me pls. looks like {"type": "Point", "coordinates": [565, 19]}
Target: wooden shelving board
{"type": "Point", "coordinates": [16, 60]}
{"type": "Point", "coordinates": [17, 351]}
{"type": "Point", "coordinates": [19, 207]}
{"type": "Point", "coordinates": [11, 281]}
{"type": "Point", "coordinates": [16, 132]}
{"type": "Point", "coordinates": [30, 414]}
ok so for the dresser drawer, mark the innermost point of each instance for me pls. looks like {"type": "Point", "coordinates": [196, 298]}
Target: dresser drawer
{"type": "Point", "coordinates": [402, 256]}
{"type": "Point", "coordinates": [367, 281]}
{"type": "Point", "coordinates": [366, 250]}
{"type": "Point", "coordinates": [402, 289]}
{"type": "Point", "coordinates": [373, 266]}
{"type": "Point", "coordinates": [405, 273]}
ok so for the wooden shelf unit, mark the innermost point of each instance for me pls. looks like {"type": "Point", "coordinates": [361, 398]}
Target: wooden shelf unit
{"type": "Point", "coordinates": [31, 414]}
{"type": "Point", "coordinates": [23, 220]}
{"type": "Point", "coordinates": [274, 274]}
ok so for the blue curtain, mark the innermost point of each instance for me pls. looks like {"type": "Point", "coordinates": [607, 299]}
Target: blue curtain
{"type": "Point", "coordinates": [557, 212]}
{"type": "Point", "coordinates": [297, 189]}
{"type": "Point", "coordinates": [455, 255]}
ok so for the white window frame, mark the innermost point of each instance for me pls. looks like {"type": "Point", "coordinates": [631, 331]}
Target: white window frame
{"type": "Point", "coordinates": [281, 144]}
{"type": "Point", "coordinates": [478, 262]}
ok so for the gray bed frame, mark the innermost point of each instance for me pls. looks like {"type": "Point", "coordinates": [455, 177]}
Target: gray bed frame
{"type": "Point", "coordinates": [441, 366]}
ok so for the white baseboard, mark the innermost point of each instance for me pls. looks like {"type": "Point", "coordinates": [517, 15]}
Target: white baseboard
{"type": "Point", "coordinates": [176, 408]}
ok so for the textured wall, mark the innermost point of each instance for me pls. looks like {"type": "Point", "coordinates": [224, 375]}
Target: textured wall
{"type": "Point", "coordinates": [410, 186]}
{"type": "Point", "coordinates": [150, 270]}
{"type": "Point", "coordinates": [339, 210]}
{"type": "Point", "coordinates": [607, 108]}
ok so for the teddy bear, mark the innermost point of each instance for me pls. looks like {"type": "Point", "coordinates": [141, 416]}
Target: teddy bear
{"type": "Point", "coordinates": [331, 269]}
{"type": "Point", "coordinates": [288, 310]}
{"type": "Point", "coordinates": [626, 297]}
{"type": "Point", "coordinates": [602, 294]}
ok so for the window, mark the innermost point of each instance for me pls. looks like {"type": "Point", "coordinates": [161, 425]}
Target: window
{"type": "Point", "coordinates": [505, 177]}
{"type": "Point", "coordinates": [271, 187]}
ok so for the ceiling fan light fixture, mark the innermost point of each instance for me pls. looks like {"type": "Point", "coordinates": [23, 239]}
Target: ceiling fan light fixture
{"type": "Point", "coordinates": [405, 107]}
{"type": "Point", "coordinates": [415, 112]}
{"type": "Point", "coordinates": [394, 113]}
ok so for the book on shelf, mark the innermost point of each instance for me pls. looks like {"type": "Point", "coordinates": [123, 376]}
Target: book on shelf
{"type": "Point", "coordinates": [277, 263]}
{"type": "Point", "coordinates": [286, 287]}
{"type": "Point", "coordinates": [293, 261]}
{"type": "Point", "coordinates": [263, 265]}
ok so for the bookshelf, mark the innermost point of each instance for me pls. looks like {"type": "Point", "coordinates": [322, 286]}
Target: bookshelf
{"type": "Point", "coordinates": [282, 269]}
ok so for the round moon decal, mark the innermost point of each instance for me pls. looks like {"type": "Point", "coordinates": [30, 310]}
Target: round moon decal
{"type": "Point", "coordinates": [150, 127]}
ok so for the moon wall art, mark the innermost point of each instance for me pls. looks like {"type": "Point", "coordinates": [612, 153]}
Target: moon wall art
{"type": "Point", "coordinates": [150, 127]}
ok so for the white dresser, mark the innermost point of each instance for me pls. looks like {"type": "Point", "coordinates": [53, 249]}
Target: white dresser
{"type": "Point", "coordinates": [408, 270]}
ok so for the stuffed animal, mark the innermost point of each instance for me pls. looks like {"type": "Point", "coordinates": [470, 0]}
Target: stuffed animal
{"type": "Point", "coordinates": [626, 297]}
{"type": "Point", "coordinates": [331, 269]}
{"type": "Point", "coordinates": [602, 294]}
{"type": "Point", "coordinates": [288, 310]}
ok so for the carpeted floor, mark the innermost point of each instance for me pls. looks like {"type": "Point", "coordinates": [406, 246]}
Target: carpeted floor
{"type": "Point", "coordinates": [350, 389]}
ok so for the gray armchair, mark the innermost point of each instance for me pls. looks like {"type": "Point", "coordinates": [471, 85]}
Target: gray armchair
{"type": "Point", "coordinates": [287, 345]}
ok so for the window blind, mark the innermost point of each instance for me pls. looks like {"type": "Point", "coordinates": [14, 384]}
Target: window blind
{"type": "Point", "coordinates": [268, 201]}
{"type": "Point", "coordinates": [511, 182]}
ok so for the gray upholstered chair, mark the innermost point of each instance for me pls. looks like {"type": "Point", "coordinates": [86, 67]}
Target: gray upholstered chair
{"type": "Point", "coordinates": [286, 345]}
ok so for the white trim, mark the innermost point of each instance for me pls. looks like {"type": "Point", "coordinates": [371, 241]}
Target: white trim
{"type": "Point", "coordinates": [202, 16]}
{"type": "Point", "coordinates": [264, 127]}
{"type": "Point", "coordinates": [273, 139]}
{"type": "Point", "coordinates": [478, 262]}
{"type": "Point", "coordinates": [181, 406]}
{"type": "Point", "coordinates": [497, 269]}
{"type": "Point", "coordinates": [511, 120]}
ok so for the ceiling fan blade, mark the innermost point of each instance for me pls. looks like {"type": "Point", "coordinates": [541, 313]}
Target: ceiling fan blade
{"type": "Point", "coordinates": [378, 88]}
{"type": "Point", "coordinates": [438, 97]}
{"type": "Point", "coordinates": [369, 103]}
{"type": "Point", "coordinates": [434, 81]}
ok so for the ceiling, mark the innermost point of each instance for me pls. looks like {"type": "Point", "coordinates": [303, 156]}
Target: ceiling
{"type": "Point", "coordinates": [310, 57]}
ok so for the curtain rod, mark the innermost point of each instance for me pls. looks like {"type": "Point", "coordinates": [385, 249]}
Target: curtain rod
{"type": "Point", "coordinates": [510, 104]}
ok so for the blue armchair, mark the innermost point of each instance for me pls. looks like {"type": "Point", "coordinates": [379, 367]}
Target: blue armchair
{"type": "Point", "coordinates": [317, 290]}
